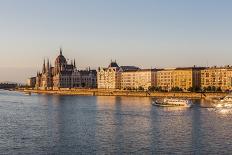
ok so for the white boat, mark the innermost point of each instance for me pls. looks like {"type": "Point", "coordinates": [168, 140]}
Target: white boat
{"type": "Point", "coordinates": [28, 93]}
{"type": "Point", "coordinates": [227, 99]}
{"type": "Point", "coordinates": [172, 102]}
{"type": "Point", "coordinates": [225, 102]}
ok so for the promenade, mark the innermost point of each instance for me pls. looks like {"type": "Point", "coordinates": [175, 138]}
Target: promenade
{"type": "Point", "coordinates": [103, 92]}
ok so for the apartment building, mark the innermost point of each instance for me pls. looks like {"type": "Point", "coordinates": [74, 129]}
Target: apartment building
{"type": "Point", "coordinates": [141, 78]}
{"type": "Point", "coordinates": [218, 77]}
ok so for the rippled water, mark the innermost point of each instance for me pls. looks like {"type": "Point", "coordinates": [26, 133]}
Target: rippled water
{"type": "Point", "coordinates": [45, 124]}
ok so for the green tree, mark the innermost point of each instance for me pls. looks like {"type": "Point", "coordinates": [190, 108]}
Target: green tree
{"type": "Point", "coordinates": [219, 89]}
{"type": "Point", "coordinates": [140, 88]}
{"type": "Point", "coordinates": [209, 88]}
{"type": "Point", "coordinates": [176, 89]}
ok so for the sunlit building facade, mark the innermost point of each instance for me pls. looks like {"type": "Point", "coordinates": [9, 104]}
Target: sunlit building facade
{"type": "Point", "coordinates": [108, 78]}
{"type": "Point", "coordinates": [111, 77]}
{"type": "Point", "coordinates": [187, 78]}
{"type": "Point", "coordinates": [140, 78]}
{"type": "Point", "coordinates": [182, 78]}
{"type": "Point", "coordinates": [31, 82]}
{"type": "Point", "coordinates": [165, 78]}
{"type": "Point", "coordinates": [64, 75]}
{"type": "Point", "coordinates": [218, 77]}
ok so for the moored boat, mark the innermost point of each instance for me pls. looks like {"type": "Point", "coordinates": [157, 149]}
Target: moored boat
{"type": "Point", "coordinates": [227, 99]}
{"type": "Point", "coordinates": [225, 102]}
{"type": "Point", "coordinates": [28, 93]}
{"type": "Point", "coordinates": [172, 102]}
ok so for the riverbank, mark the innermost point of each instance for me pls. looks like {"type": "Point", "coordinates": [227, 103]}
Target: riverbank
{"type": "Point", "coordinates": [100, 92]}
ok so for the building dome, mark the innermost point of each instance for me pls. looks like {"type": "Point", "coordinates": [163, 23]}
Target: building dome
{"type": "Point", "coordinates": [60, 59]}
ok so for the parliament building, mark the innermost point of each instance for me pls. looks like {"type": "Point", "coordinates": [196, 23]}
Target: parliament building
{"type": "Point", "coordinates": [64, 75]}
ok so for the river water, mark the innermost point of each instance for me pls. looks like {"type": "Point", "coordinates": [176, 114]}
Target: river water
{"type": "Point", "coordinates": [46, 124]}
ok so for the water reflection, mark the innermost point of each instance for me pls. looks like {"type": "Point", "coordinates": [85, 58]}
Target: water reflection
{"type": "Point", "coordinates": [175, 109]}
{"type": "Point", "coordinates": [125, 125]}
{"type": "Point", "coordinates": [171, 128]}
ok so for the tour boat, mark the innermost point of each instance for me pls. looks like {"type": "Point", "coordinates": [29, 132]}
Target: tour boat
{"type": "Point", "coordinates": [225, 102]}
{"type": "Point", "coordinates": [28, 93]}
{"type": "Point", "coordinates": [227, 99]}
{"type": "Point", "coordinates": [172, 102]}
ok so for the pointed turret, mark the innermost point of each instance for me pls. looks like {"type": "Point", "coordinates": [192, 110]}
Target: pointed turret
{"type": "Point", "coordinates": [47, 68]}
{"type": "Point", "coordinates": [74, 63]}
{"type": "Point", "coordinates": [50, 64]}
{"type": "Point", "coordinates": [44, 68]}
{"type": "Point", "coordinates": [61, 51]}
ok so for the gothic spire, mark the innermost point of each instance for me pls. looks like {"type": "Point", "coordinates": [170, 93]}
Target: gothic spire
{"type": "Point", "coordinates": [74, 63]}
{"type": "Point", "coordinates": [44, 68]}
{"type": "Point", "coordinates": [61, 51]}
{"type": "Point", "coordinates": [48, 66]}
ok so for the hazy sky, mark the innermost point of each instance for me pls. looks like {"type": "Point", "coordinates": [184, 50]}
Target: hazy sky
{"type": "Point", "coordinates": [146, 33]}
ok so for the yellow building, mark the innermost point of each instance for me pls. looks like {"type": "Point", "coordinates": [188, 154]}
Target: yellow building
{"type": "Point", "coordinates": [183, 78]}
{"type": "Point", "coordinates": [187, 78]}
{"type": "Point", "coordinates": [141, 78]}
{"type": "Point", "coordinates": [164, 78]}
{"type": "Point", "coordinates": [219, 77]}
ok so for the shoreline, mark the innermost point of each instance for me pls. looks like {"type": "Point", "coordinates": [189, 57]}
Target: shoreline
{"type": "Point", "coordinates": [100, 92]}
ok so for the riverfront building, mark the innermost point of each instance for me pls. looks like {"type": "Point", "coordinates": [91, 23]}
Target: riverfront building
{"type": "Point", "coordinates": [217, 78]}
{"type": "Point", "coordinates": [130, 78]}
{"type": "Point", "coordinates": [138, 79]}
{"type": "Point", "coordinates": [182, 78]}
{"type": "Point", "coordinates": [187, 78]}
{"type": "Point", "coordinates": [31, 82]}
{"type": "Point", "coordinates": [165, 78]}
{"type": "Point", "coordinates": [108, 78]}
{"type": "Point", "coordinates": [111, 76]}
{"type": "Point", "coordinates": [64, 75]}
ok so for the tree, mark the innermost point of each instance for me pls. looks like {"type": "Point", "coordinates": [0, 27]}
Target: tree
{"type": "Point", "coordinates": [213, 88]}
{"type": "Point", "coordinates": [82, 84]}
{"type": "Point", "coordinates": [140, 88]}
{"type": "Point", "coordinates": [176, 89]}
{"type": "Point", "coordinates": [219, 89]}
{"type": "Point", "coordinates": [194, 89]}
{"type": "Point", "coordinates": [197, 89]}
{"type": "Point", "coordinates": [159, 89]}
{"type": "Point", "coordinates": [204, 89]}
{"type": "Point", "coordinates": [209, 88]}
{"type": "Point", "coordinates": [152, 88]}
{"type": "Point", "coordinates": [191, 89]}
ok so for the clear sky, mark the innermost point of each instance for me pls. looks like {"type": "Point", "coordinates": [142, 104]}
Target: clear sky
{"type": "Point", "coordinates": [146, 33]}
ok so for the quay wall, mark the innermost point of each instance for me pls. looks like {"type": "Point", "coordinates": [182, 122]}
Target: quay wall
{"type": "Point", "coordinates": [99, 92]}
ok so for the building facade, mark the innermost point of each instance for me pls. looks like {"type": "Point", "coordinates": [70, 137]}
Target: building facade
{"type": "Point", "coordinates": [183, 78]}
{"type": "Point", "coordinates": [187, 78]}
{"type": "Point", "coordinates": [217, 77]}
{"type": "Point", "coordinates": [31, 82]}
{"type": "Point", "coordinates": [140, 78]}
{"type": "Point", "coordinates": [165, 78]}
{"type": "Point", "coordinates": [64, 75]}
{"type": "Point", "coordinates": [111, 77]}
{"type": "Point", "coordinates": [84, 78]}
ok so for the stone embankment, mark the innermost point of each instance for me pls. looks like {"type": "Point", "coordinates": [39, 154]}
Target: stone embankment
{"type": "Point", "coordinates": [101, 92]}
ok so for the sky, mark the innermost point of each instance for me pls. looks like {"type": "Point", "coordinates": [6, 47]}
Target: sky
{"type": "Point", "coordinates": [144, 33]}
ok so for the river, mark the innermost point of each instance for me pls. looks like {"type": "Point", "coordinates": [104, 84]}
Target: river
{"type": "Point", "coordinates": [52, 124]}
